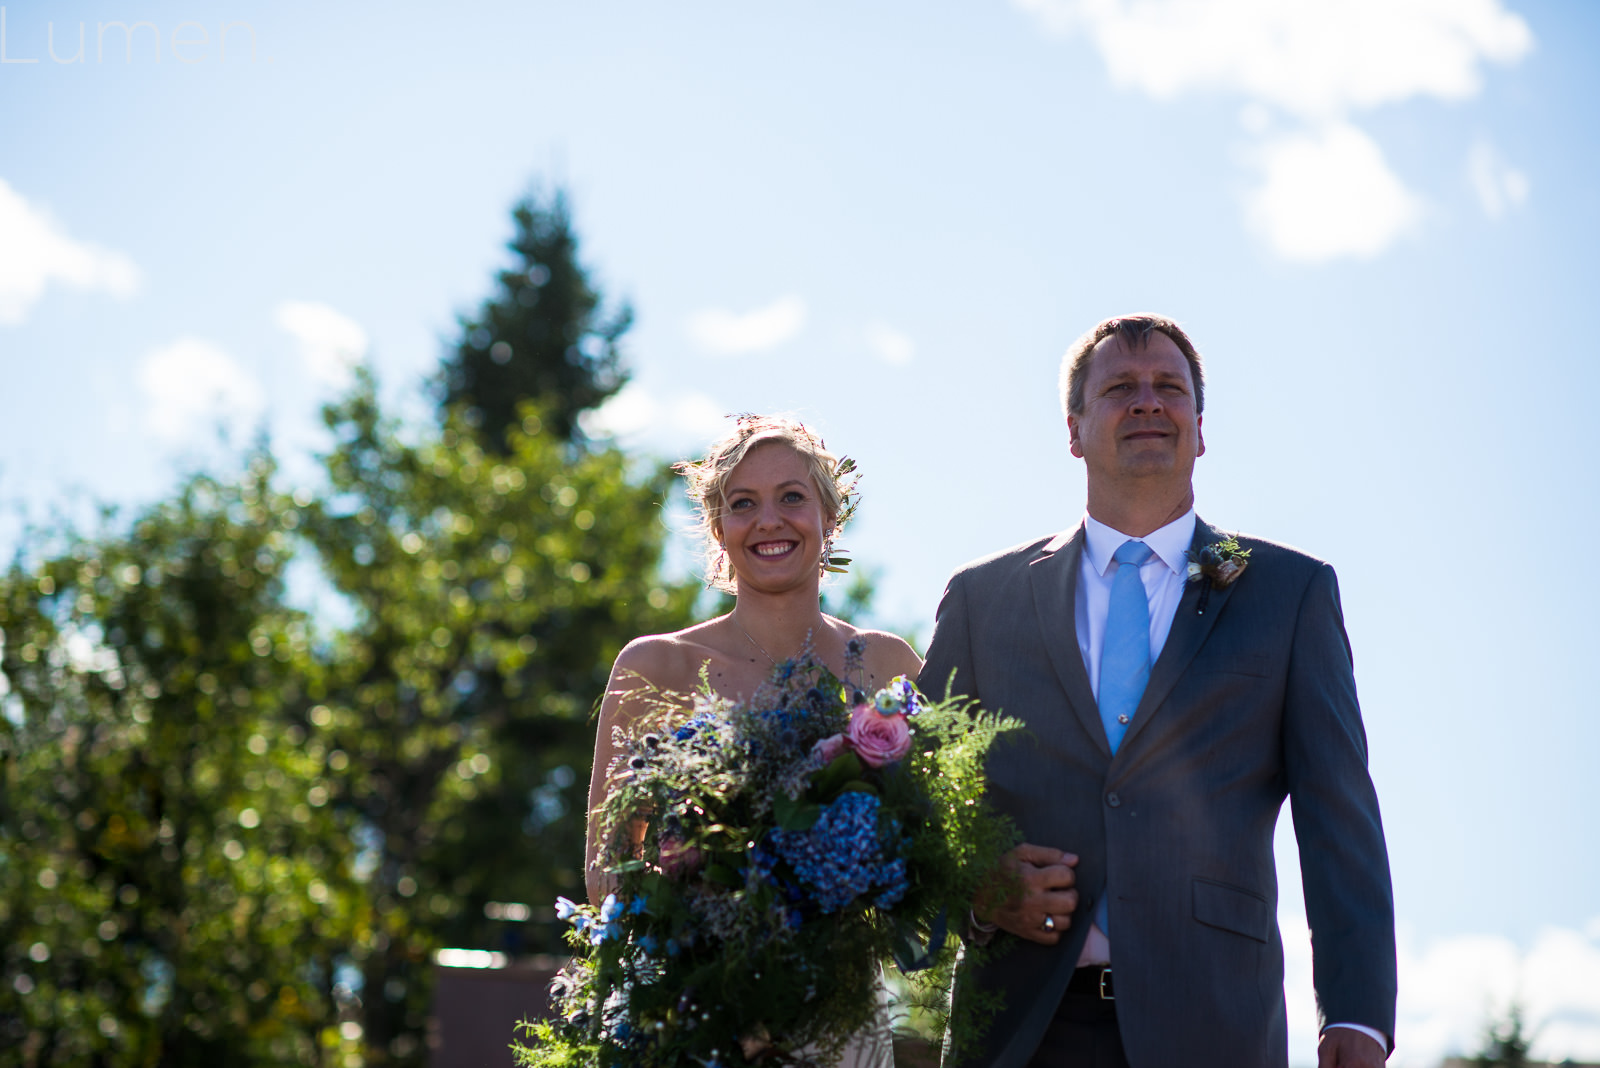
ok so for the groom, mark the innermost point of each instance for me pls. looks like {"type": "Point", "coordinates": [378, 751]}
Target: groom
{"type": "Point", "coordinates": [1169, 714]}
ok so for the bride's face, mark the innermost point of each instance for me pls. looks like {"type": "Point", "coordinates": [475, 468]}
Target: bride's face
{"type": "Point", "coordinates": [773, 526]}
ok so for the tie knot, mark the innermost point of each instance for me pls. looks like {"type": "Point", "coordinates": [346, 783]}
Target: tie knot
{"type": "Point", "coordinates": [1133, 552]}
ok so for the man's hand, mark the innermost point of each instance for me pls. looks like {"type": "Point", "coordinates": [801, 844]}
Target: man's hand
{"type": "Point", "coordinates": [1342, 1047]}
{"type": "Point", "coordinates": [1033, 882]}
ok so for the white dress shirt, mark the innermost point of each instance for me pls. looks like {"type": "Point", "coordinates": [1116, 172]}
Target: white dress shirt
{"type": "Point", "coordinates": [1165, 574]}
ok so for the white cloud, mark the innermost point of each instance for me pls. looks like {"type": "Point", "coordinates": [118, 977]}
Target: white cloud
{"type": "Point", "coordinates": [34, 253]}
{"type": "Point", "coordinates": [679, 419]}
{"type": "Point", "coordinates": [736, 334]}
{"type": "Point", "coordinates": [1319, 62]}
{"type": "Point", "coordinates": [1315, 58]}
{"type": "Point", "coordinates": [191, 386]}
{"type": "Point", "coordinates": [1500, 187]}
{"type": "Point", "coordinates": [1327, 194]}
{"type": "Point", "coordinates": [891, 345]}
{"type": "Point", "coordinates": [331, 344]}
{"type": "Point", "coordinates": [1451, 987]}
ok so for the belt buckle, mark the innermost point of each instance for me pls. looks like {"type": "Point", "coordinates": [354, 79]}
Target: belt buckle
{"type": "Point", "coordinates": [1105, 973]}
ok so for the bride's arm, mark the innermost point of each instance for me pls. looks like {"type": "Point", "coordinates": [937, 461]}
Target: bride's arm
{"type": "Point", "coordinates": [620, 706]}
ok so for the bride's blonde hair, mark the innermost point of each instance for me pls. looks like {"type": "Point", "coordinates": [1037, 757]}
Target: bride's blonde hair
{"type": "Point", "coordinates": [834, 476]}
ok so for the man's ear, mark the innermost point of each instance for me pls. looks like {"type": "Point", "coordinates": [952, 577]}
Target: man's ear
{"type": "Point", "coordinates": [1200, 436]}
{"type": "Point", "coordinates": [1072, 436]}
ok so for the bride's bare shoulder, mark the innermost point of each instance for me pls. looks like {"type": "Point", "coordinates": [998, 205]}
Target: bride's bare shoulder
{"type": "Point", "coordinates": [884, 655]}
{"type": "Point", "coordinates": [670, 661]}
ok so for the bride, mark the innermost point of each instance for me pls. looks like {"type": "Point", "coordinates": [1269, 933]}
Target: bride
{"type": "Point", "coordinates": [771, 499]}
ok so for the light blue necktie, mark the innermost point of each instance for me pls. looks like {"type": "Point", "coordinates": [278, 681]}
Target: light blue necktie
{"type": "Point", "coordinates": [1125, 656]}
{"type": "Point", "coordinates": [1124, 661]}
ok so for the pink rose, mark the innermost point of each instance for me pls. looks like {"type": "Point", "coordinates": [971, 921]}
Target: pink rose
{"type": "Point", "coordinates": [876, 738]}
{"type": "Point", "coordinates": [678, 858]}
{"type": "Point", "coordinates": [829, 748]}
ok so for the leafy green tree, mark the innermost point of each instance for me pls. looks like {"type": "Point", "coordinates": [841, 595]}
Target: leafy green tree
{"type": "Point", "coordinates": [1505, 1042]}
{"type": "Point", "coordinates": [492, 591]}
{"type": "Point", "coordinates": [542, 336]}
{"type": "Point", "coordinates": [173, 888]}
{"type": "Point", "coordinates": [228, 835]}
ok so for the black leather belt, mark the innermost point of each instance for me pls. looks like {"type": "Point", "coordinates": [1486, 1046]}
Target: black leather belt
{"type": "Point", "coordinates": [1094, 981]}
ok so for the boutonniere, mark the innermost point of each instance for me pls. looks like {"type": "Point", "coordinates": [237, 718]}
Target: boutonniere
{"type": "Point", "coordinates": [1220, 564]}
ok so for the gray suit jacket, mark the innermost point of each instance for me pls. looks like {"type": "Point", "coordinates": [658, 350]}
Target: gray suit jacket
{"type": "Point", "coordinates": [1250, 702]}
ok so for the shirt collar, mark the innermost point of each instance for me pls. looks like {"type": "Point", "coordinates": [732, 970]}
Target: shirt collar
{"type": "Point", "coordinates": [1170, 543]}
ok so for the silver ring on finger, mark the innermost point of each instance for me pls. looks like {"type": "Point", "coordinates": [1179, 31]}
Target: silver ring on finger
{"type": "Point", "coordinates": [1049, 923]}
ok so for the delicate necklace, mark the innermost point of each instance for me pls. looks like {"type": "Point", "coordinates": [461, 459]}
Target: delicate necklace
{"type": "Point", "coordinates": [751, 640]}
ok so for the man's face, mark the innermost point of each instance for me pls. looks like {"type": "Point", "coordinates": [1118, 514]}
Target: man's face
{"type": "Point", "coordinates": [1138, 418]}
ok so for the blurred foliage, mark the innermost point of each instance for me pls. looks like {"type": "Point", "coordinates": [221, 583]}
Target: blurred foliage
{"type": "Point", "coordinates": [492, 593]}
{"type": "Point", "coordinates": [174, 888]}
{"type": "Point", "coordinates": [542, 335]}
{"type": "Point", "coordinates": [1505, 1042]}
{"type": "Point", "coordinates": [231, 833]}
{"type": "Point", "coordinates": [852, 603]}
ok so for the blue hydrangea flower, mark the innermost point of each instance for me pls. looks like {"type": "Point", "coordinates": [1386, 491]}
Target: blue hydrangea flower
{"type": "Point", "coordinates": [840, 858]}
{"type": "Point", "coordinates": [610, 908]}
{"type": "Point", "coordinates": [565, 908]}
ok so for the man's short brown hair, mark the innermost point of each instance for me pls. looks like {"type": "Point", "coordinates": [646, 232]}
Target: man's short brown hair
{"type": "Point", "coordinates": [1134, 332]}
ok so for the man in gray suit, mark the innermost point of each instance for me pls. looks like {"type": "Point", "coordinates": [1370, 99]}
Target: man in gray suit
{"type": "Point", "coordinates": [1170, 710]}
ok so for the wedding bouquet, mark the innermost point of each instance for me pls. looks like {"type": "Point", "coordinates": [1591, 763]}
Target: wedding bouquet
{"type": "Point", "coordinates": [769, 856]}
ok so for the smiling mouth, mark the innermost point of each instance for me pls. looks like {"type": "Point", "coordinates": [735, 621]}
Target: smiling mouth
{"type": "Point", "coordinates": [772, 549]}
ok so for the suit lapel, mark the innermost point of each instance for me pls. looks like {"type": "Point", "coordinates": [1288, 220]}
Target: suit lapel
{"type": "Point", "coordinates": [1054, 579]}
{"type": "Point", "coordinates": [1190, 627]}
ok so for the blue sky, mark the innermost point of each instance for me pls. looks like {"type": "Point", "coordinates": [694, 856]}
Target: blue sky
{"type": "Point", "coordinates": [1377, 219]}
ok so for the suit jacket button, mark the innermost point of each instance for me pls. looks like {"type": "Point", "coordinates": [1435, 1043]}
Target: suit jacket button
{"type": "Point", "coordinates": [1113, 800]}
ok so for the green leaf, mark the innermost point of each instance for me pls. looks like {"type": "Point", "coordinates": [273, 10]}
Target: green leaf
{"type": "Point", "coordinates": [723, 875]}
{"type": "Point", "coordinates": [827, 782]}
{"type": "Point", "coordinates": [795, 815]}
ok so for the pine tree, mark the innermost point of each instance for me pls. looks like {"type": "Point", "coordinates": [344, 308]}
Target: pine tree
{"type": "Point", "coordinates": [541, 336]}
{"type": "Point", "coordinates": [230, 836]}
{"type": "Point", "coordinates": [492, 592]}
